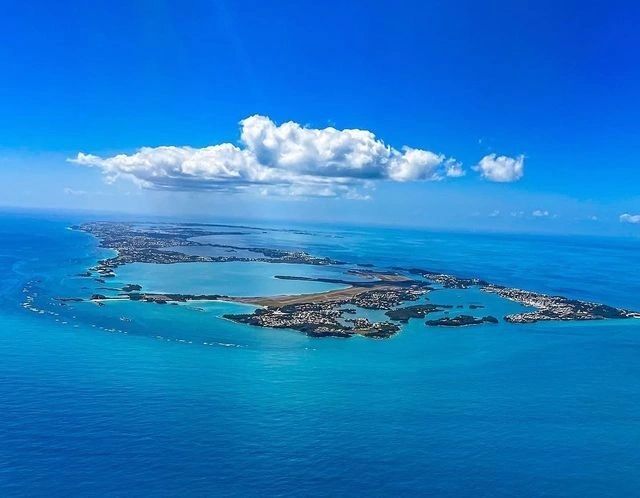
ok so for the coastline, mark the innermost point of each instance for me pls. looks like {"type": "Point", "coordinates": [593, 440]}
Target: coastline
{"type": "Point", "coordinates": [320, 313]}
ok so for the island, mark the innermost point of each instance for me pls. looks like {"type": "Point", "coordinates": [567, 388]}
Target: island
{"type": "Point", "coordinates": [417, 311]}
{"type": "Point", "coordinates": [332, 313]}
{"type": "Point", "coordinates": [461, 321]}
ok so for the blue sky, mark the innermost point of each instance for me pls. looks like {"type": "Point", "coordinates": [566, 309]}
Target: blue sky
{"type": "Point", "coordinates": [556, 82]}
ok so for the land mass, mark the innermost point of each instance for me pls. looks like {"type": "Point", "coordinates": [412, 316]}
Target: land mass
{"type": "Point", "coordinates": [321, 314]}
{"type": "Point", "coordinates": [546, 307]}
{"type": "Point", "coordinates": [136, 244]}
{"type": "Point", "coordinates": [460, 321]}
{"type": "Point", "coordinates": [417, 311]}
{"type": "Point", "coordinates": [316, 320]}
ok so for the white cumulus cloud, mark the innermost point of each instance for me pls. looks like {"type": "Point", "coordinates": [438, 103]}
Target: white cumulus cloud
{"type": "Point", "coordinates": [286, 159]}
{"type": "Point", "coordinates": [503, 169]}
{"type": "Point", "coordinates": [630, 218]}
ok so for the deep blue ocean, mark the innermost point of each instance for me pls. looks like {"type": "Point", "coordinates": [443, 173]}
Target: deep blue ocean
{"type": "Point", "coordinates": [176, 401]}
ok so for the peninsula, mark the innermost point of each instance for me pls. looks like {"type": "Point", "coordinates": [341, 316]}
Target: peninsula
{"type": "Point", "coordinates": [160, 245]}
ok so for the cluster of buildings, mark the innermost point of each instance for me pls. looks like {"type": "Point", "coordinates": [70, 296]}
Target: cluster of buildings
{"type": "Point", "coordinates": [387, 297]}
{"type": "Point", "coordinates": [546, 307]}
{"type": "Point", "coordinates": [555, 307]}
{"type": "Point", "coordinates": [449, 281]}
{"type": "Point", "coordinates": [138, 245]}
{"type": "Point", "coordinates": [317, 320]}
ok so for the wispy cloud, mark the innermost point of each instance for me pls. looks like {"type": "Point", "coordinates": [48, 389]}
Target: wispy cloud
{"type": "Point", "coordinates": [72, 191]}
{"type": "Point", "coordinates": [286, 159]}
{"type": "Point", "coordinates": [540, 213]}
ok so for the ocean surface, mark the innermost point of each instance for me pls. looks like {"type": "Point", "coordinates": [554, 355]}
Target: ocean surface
{"type": "Point", "coordinates": [138, 399]}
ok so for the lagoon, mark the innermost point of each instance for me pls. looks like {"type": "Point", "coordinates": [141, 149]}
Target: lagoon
{"type": "Point", "coordinates": [229, 278]}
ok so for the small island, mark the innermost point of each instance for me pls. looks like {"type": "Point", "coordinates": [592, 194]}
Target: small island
{"type": "Point", "coordinates": [461, 321]}
{"type": "Point", "coordinates": [417, 311]}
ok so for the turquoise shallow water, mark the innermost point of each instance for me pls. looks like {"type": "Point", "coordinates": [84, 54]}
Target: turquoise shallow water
{"type": "Point", "coordinates": [230, 279]}
{"type": "Point", "coordinates": [99, 405]}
